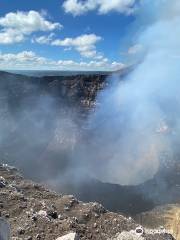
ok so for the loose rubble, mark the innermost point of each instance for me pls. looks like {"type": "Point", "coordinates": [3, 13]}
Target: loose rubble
{"type": "Point", "coordinates": [70, 236]}
{"type": "Point", "coordinates": [34, 212]}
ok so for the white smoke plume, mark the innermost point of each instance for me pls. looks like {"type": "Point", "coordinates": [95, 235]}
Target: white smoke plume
{"type": "Point", "coordinates": [133, 130]}
{"type": "Point", "coordinates": [138, 121]}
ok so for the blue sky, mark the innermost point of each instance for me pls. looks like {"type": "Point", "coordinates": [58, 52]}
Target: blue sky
{"type": "Point", "coordinates": [66, 34]}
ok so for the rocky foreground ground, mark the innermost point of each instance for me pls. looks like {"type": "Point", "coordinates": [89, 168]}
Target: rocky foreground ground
{"type": "Point", "coordinates": [35, 212]}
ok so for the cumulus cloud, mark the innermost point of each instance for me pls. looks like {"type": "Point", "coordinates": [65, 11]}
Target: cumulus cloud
{"type": "Point", "coordinates": [84, 44]}
{"type": "Point", "coordinates": [79, 7]}
{"type": "Point", "coordinates": [9, 36]}
{"type": "Point", "coordinates": [21, 58]}
{"type": "Point", "coordinates": [16, 26]}
{"type": "Point", "coordinates": [29, 59]}
{"type": "Point", "coordinates": [43, 39]}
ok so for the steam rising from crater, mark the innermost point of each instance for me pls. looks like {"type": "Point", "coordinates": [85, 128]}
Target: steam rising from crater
{"type": "Point", "coordinates": [130, 134]}
{"type": "Point", "coordinates": [138, 121]}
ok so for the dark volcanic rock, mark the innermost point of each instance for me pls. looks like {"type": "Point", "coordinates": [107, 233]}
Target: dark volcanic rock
{"type": "Point", "coordinates": [48, 226]}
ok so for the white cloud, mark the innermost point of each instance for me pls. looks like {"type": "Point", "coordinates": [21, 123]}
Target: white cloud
{"type": "Point", "coordinates": [84, 44]}
{"type": "Point", "coordinates": [79, 7]}
{"type": "Point", "coordinates": [16, 26]}
{"type": "Point", "coordinates": [122, 6]}
{"type": "Point", "coordinates": [30, 60]}
{"type": "Point", "coordinates": [43, 39]}
{"type": "Point", "coordinates": [9, 36]}
{"type": "Point", "coordinates": [25, 57]}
